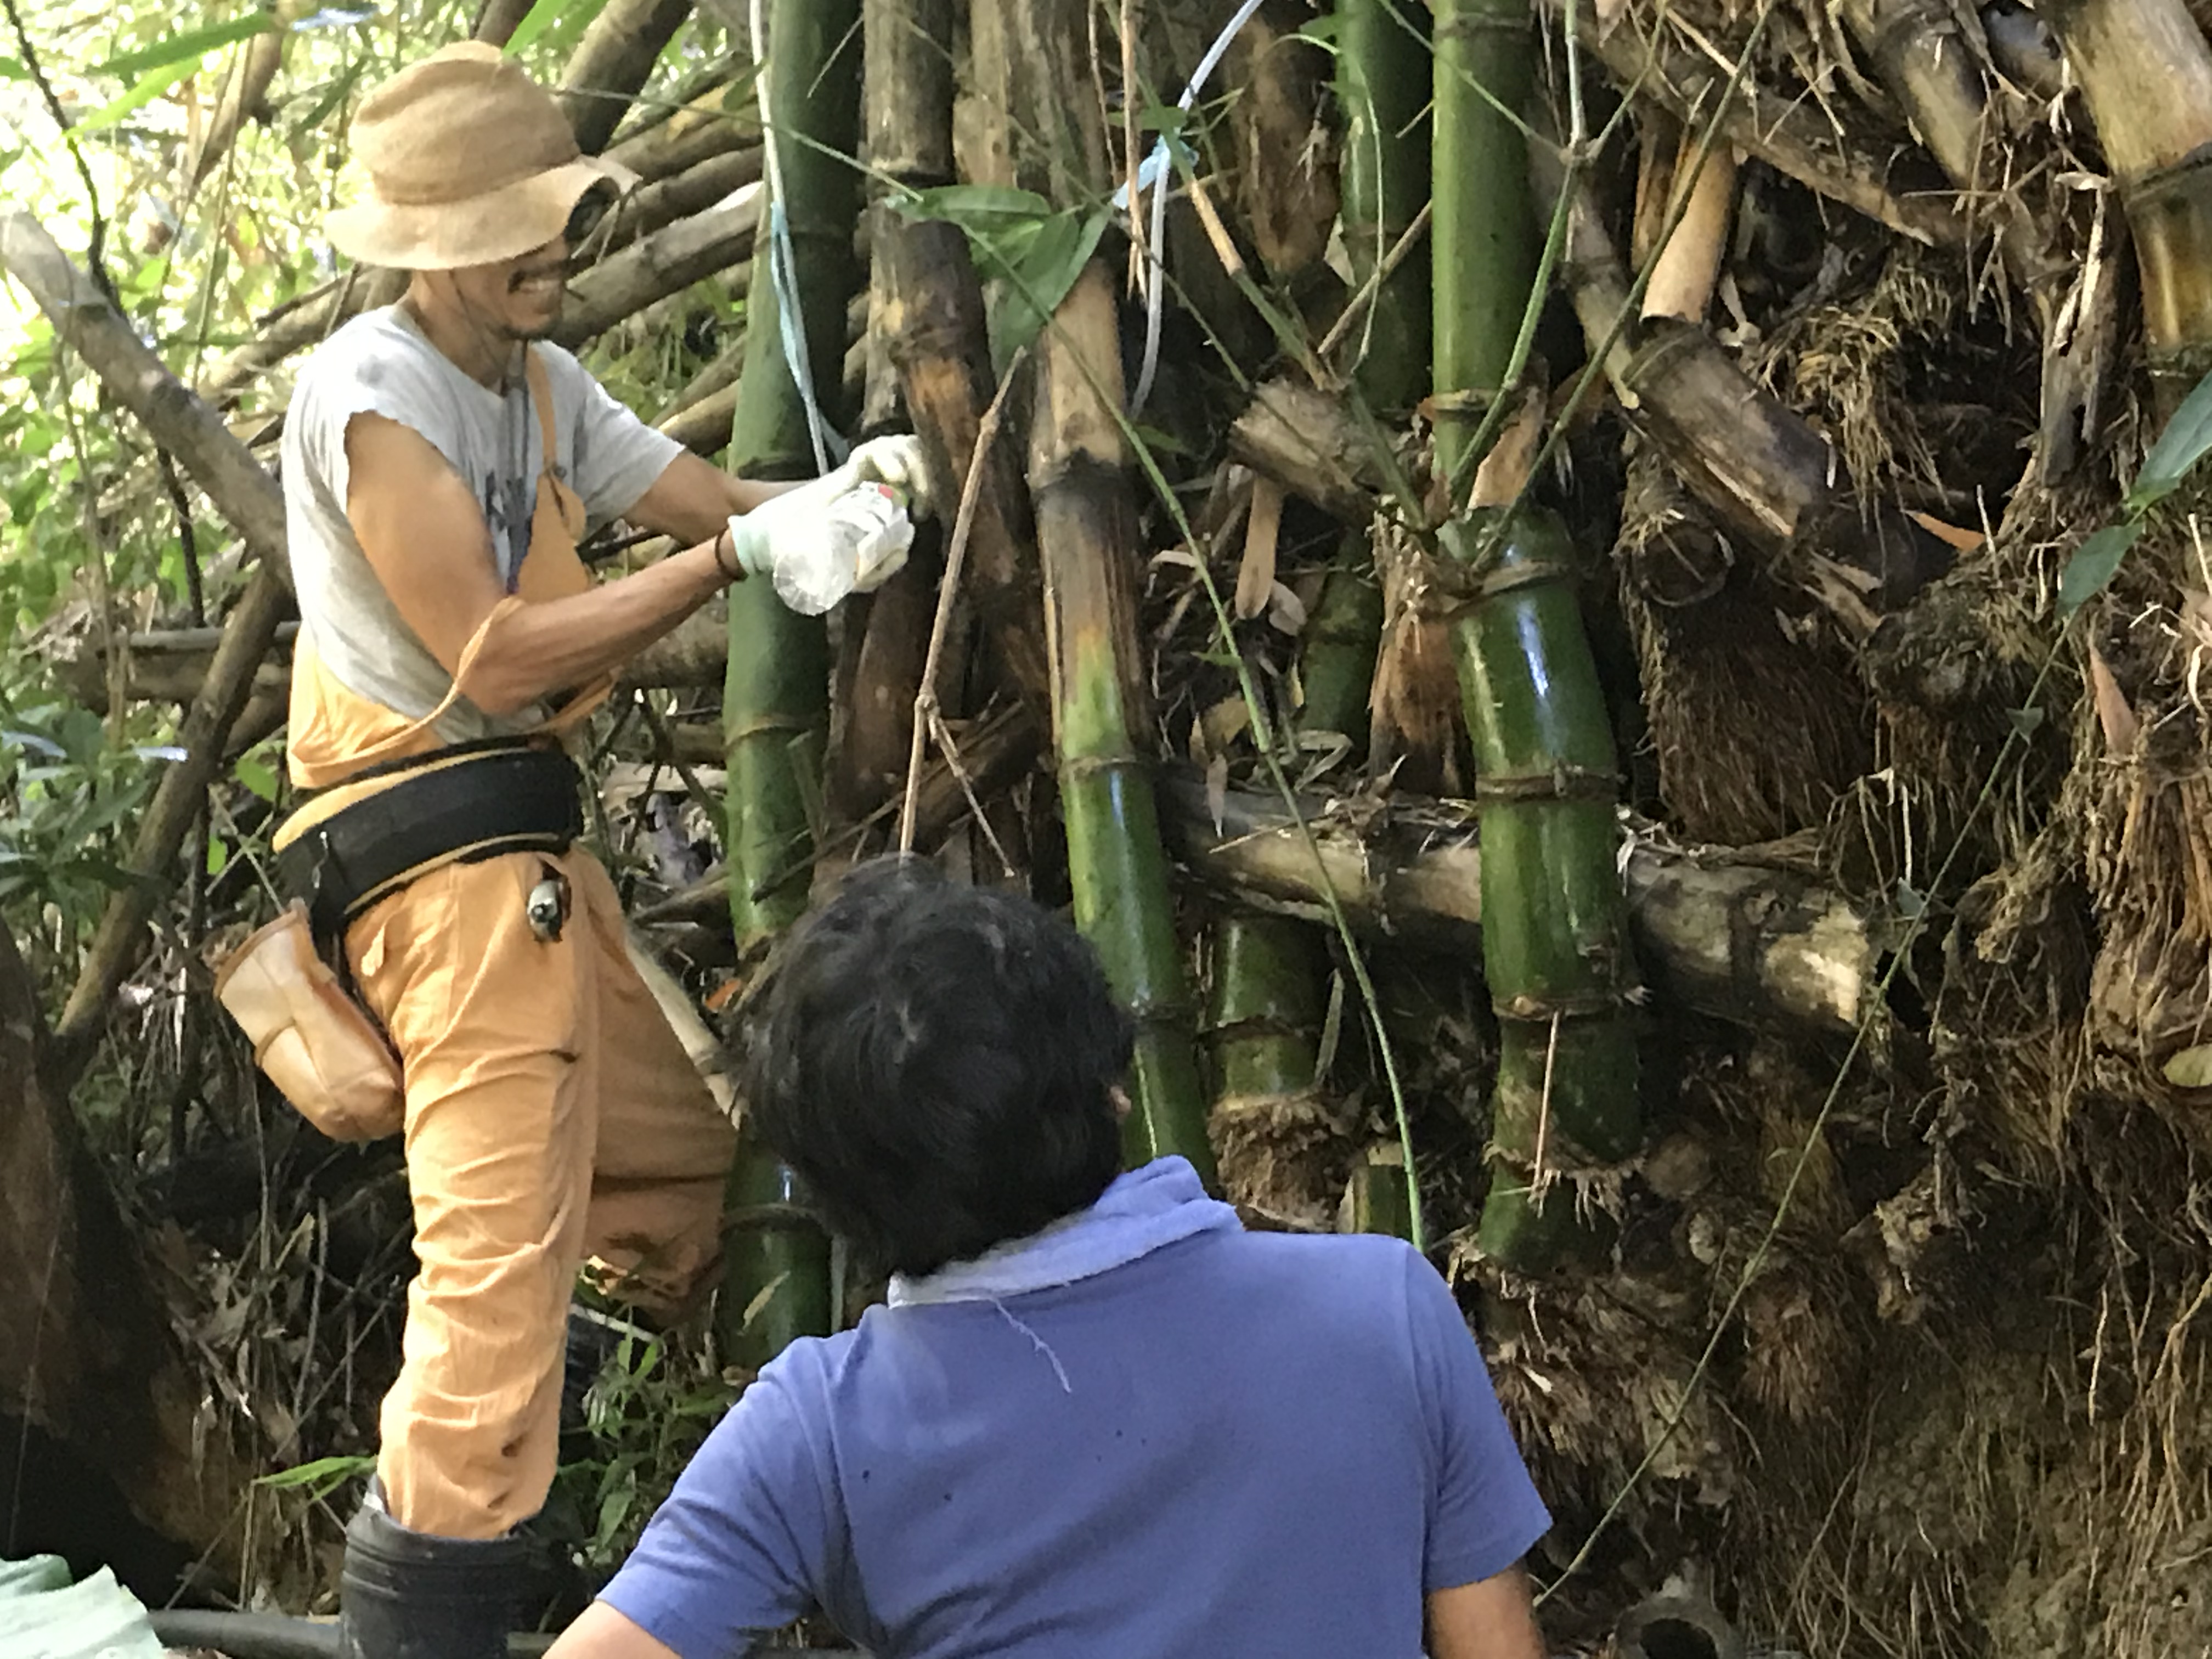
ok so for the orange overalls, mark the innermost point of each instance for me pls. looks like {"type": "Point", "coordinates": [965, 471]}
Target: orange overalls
{"type": "Point", "coordinates": [551, 1115]}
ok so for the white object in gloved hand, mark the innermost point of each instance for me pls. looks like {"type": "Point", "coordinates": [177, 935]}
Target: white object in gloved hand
{"type": "Point", "coordinates": [764, 539]}
{"type": "Point", "coordinates": [852, 543]}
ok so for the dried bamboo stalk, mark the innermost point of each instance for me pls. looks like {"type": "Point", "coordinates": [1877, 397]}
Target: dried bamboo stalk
{"type": "Point", "coordinates": [2146, 74]}
{"type": "Point", "coordinates": [1302, 439]}
{"type": "Point", "coordinates": [1086, 534]}
{"type": "Point", "coordinates": [1728, 935]}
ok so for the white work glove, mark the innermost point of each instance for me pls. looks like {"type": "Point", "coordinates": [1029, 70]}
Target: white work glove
{"type": "Point", "coordinates": [824, 540]}
{"type": "Point", "coordinates": [897, 461]}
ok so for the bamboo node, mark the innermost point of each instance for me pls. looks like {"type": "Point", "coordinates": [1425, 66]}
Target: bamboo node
{"type": "Point", "coordinates": [1560, 782]}
{"type": "Point", "coordinates": [1074, 768]}
{"type": "Point", "coordinates": [1537, 1008]}
{"type": "Point", "coordinates": [2151, 190]}
{"type": "Point", "coordinates": [1452, 589]}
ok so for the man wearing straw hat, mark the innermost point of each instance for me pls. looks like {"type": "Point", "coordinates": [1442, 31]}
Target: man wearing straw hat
{"type": "Point", "coordinates": [441, 460]}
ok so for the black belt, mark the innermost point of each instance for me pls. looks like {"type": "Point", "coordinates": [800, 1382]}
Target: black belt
{"type": "Point", "coordinates": [506, 799]}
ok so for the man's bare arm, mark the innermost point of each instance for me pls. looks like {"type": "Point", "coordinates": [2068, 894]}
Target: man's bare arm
{"type": "Point", "coordinates": [692, 499]}
{"type": "Point", "coordinates": [1491, 1619]}
{"type": "Point", "coordinates": [600, 1632]}
{"type": "Point", "coordinates": [426, 540]}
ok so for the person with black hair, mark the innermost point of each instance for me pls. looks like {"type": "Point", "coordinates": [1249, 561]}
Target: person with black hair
{"type": "Point", "coordinates": [1097, 1417]}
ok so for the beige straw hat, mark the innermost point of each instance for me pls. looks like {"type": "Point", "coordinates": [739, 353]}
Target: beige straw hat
{"type": "Point", "coordinates": [469, 162]}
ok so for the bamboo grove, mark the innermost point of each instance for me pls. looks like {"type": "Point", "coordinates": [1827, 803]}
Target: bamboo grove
{"type": "Point", "coordinates": [1596, 608]}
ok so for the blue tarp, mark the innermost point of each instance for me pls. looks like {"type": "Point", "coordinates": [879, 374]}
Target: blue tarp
{"type": "Point", "coordinates": [44, 1616]}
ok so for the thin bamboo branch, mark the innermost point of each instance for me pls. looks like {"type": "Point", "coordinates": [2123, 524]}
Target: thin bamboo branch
{"type": "Point", "coordinates": [955, 553]}
{"type": "Point", "coordinates": [259, 58]}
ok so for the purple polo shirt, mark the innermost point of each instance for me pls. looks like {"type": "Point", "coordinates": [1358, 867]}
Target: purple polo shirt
{"type": "Point", "coordinates": [1239, 1444]}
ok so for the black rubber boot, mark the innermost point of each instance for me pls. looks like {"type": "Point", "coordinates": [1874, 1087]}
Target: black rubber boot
{"type": "Point", "coordinates": [408, 1595]}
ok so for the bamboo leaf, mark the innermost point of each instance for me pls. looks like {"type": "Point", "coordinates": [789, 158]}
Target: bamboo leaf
{"type": "Point", "coordinates": [2191, 1069]}
{"type": "Point", "coordinates": [2095, 564]}
{"type": "Point", "coordinates": [979, 210]}
{"type": "Point", "coordinates": [573, 16]}
{"type": "Point", "coordinates": [184, 52]}
{"type": "Point", "coordinates": [159, 82]}
{"type": "Point", "coordinates": [326, 1472]}
{"type": "Point", "coordinates": [1038, 278]}
{"type": "Point", "coordinates": [2185, 441]}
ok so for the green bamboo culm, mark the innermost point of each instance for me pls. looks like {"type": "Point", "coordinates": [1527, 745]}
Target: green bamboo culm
{"type": "Point", "coordinates": [776, 709]}
{"type": "Point", "coordinates": [1340, 644]}
{"type": "Point", "coordinates": [776, 701]}
{"type": "Point", "coordinates": [775, 1262]}
{"type": "Point", "coordinates": [1555, 946]}
{"type": "Point", "coordinates": [1555, 951]}
{"type": "Point", "coordinates": [1484, 234]}
{"type": "Point", "coordinates": [1376, 1198]}
{"type": "Point", "coordinates": [1263, 1011]}
{"type": "Point", "coordinates": [1382, 83]}
{"type": "Point", "coordinates": [1382, 89]}
{"type": "Point", "coordinates": [1117, 865]}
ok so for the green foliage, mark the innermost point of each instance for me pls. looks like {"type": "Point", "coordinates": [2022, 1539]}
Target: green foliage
{"type": "Point", "coordinates": [1031, 252]}
{"type": "Point", "coordinates": [319, 1478]}
{"type": "Point", "coordinates": [558, 23]}
{"type": "Point", "coordinates": [2186, 441]}
{"type": "Point", "coordinates": [69, 796]}
{"type": "Point", "coordinates": [647, 1412]}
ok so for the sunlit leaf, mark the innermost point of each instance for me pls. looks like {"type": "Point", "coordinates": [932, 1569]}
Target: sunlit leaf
{"type": "Point", "coordinates": [554, 21]}
{"type": "Point", "coordinates": [258, 775]}
{"type": "Point", "coordinates": [324, 1474]}
{"type": "Point", "coordinates": [183, 52]}
{"type": "Point", "coordinates": [157, 82]}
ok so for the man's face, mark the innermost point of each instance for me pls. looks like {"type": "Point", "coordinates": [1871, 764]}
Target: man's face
{"type": "Point", "coordinates": [520, 297]}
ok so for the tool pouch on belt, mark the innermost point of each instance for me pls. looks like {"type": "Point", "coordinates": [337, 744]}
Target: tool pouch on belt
{"type": "Point", "coordinates": [313, 1041]}
{"type": "Point", "coordinates": [455, 806]}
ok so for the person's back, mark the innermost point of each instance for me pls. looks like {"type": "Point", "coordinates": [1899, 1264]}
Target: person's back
{"type": "Point", "coordinates": [1232, 1444]}
{"type": "Point", "coordinates": [1097, 1419]}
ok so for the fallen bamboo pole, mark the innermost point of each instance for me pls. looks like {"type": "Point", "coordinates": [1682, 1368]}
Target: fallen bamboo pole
{"type": "Point", "coordinates": [667, 262]}
{"type": "Point", "coordinates": [1737, 939]}
{"type": "Point", "coordinates": [1766, 474]}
